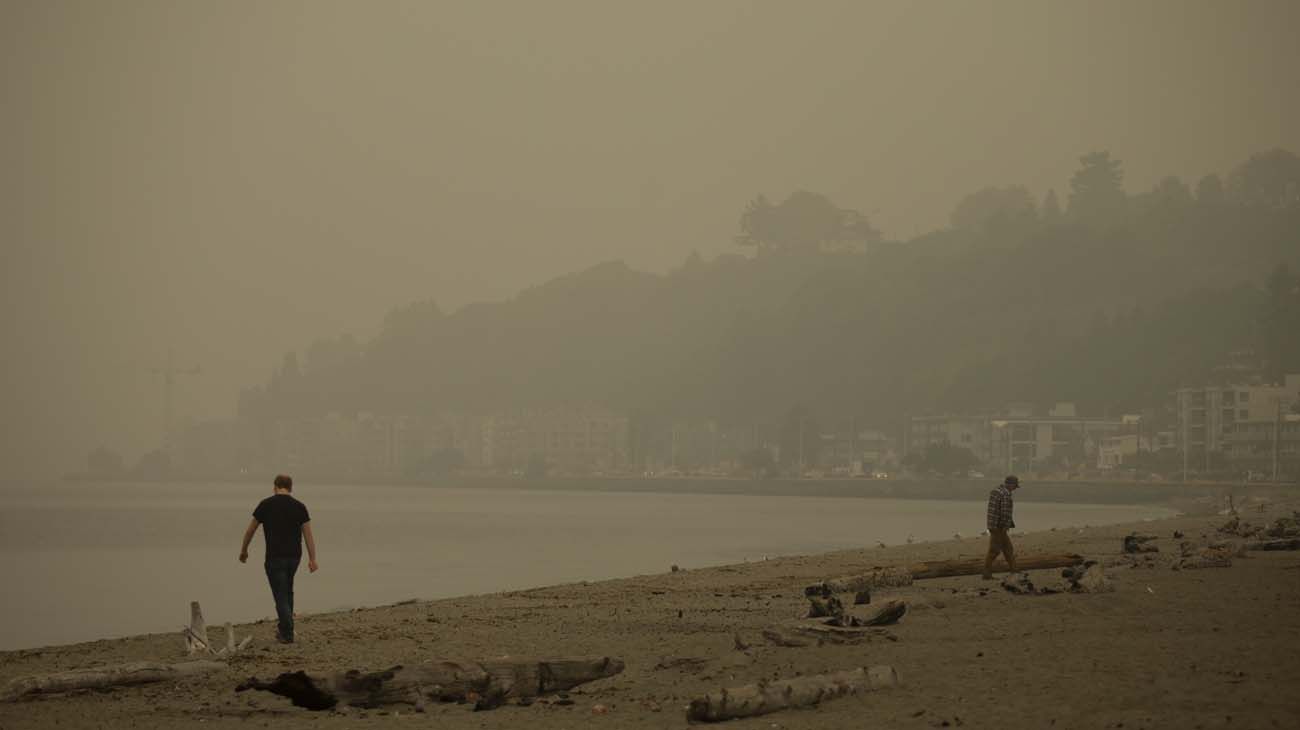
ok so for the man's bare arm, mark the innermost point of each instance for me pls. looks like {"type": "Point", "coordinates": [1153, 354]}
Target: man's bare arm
{"type": "Point", "coordinates": [311, 547]}
{"type": "Point", "coordinates": [248, 537]}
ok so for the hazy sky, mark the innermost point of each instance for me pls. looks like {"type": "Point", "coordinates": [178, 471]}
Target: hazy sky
{"type": "Point", "coordinates": [235, 179]}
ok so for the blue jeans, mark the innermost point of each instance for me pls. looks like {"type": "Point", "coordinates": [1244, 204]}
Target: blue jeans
{"type": "Point", "coordinates": [279, 573]}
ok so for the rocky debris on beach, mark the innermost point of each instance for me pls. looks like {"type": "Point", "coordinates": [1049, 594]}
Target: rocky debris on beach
{"type": "Point", "coordinates": [1215, 555]}
{"type": "Point", "coordinates": [1284, 527]}
{"type": "Point", "coordinates": [1135, 543]}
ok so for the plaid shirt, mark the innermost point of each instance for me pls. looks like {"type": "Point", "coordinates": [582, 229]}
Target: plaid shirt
{"type": "Point", "coordinates": [1000, 506]}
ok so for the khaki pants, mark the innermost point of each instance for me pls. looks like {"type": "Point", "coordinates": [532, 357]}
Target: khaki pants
{"type": "Point", "coordinates": [999, 544]}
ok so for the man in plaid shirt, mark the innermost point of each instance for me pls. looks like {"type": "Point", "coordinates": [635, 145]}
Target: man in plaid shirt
{"type": "Point", "coordinates": [999, 521]}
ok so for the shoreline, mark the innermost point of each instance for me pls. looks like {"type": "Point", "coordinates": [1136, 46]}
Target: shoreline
{"type": "Point", "coordinates": [1068, 491]}
{"type": "Point", "coordinates": [653, 620]}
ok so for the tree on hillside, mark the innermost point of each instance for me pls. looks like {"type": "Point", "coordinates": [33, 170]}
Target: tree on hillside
{"type": "Point", "coordinates": [994, 208]}
{"type": "Point", "coordinates": [1170, 196]}
{"type": "Point", "coordinates": [804, 222]}
{"type": "Point", "coordinates": [1280, 323]}
{"type": "Point", "coordinates": [1209, 191]}
{"type": "Point", "coordinates": [1269, 180]}
{"type": "Point", "coordinates": [1097, 189]}
{"type": "Point", "coordinates": [1051, 207]}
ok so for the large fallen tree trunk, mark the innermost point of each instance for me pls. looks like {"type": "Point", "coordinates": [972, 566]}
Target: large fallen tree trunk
{"type": "Point", "coordinates": [1285, 544]}
{"type": "Point", "coordinates": [975, 566]}
{"type": "Point", "coordinates": [103, 677]}
{"type": "Point", "coordinates": [877, 578]}
{"type": "Point", "coordinates": [487, 683]}
{"type": "Point", "coordinates": [895, 577]}
{"type": "Point", "coordinates": [765, 697]}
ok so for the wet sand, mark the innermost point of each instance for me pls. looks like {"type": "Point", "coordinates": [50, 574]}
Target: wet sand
{"type": "Point", "coordinates": [1210, 648]}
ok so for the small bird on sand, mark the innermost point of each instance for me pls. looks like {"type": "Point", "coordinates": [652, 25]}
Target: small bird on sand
{"type": "Point", "coordinates": [956, 535]}
{"type": "Point", "coordinates": [880, 544]}
{"type": "Point", "coordinates": [909, 538]}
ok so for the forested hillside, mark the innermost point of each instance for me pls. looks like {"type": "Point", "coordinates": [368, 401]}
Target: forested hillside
{"type": "Point", "coordinates": [1107, 299]}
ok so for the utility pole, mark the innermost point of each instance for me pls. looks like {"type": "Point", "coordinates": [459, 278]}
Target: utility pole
{"type": "Point", "coordinates": [1277, 428]}
{"type": "Point", "coordinates": [801, 447]}
{"type": "Point", "coordinates": [169, 374]}
{"type": "Point", "coordinates": [1183, 416]}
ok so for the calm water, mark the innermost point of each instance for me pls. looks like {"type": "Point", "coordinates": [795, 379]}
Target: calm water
{"type": "Point", "coordinates": [84, 561]}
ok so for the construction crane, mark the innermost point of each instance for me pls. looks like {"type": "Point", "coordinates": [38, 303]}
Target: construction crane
{"type": "Point", "coordinates": [169, 374]}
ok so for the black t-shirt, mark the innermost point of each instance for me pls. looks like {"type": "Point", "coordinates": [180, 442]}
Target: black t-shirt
{"type": "Point", "coordinates": [282, 518]}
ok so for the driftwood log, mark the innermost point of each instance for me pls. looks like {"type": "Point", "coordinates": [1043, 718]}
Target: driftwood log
{"type": "Point", "coordinates": [896, 577]}
{"type": "Point", "coordinates": [1287, 544]}
{"type": "Point", "coordinates": [876, 578]}
{"type": "Point", "coordinates": [766, 697]}
{"type": "Point", "coordinates": [118, 675]}
{"type": "Point", "coordinates": [807, 632]}
{"type": "Point", "coordinates": [488, 683]}
{"type": "Point", "coordinates": [196, 634]}
{"type": "Point", "coordinates": [975, 566]}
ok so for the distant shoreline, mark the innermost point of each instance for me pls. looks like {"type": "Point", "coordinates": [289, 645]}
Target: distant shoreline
{"type": "Point", "coordinates": [1081, 492]}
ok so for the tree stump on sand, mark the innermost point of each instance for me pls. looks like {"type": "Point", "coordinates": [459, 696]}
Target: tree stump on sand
{"type": "Point", "coordinates": [488, 683]}
{"type": "Point", "coordinates": [766, 697]}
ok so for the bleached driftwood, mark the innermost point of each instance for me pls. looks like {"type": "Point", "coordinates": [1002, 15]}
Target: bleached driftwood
{"type": "Point", "coordinates": [1284, 544]}
{"type": "Point", "coordinates": [102, 677]}
{"type": "Point", "coordinates": [975, 566]}
{"type": "Point", "coordinates": [196, 634]}
{"type": "Point", "coordinates": [488, 683]}
{"type": "Point", "coordinates": [876, 578]}
{"type": "Point", "coordinates": [766, 697]}
{"type": "Point", "coordinates": [881, 577]}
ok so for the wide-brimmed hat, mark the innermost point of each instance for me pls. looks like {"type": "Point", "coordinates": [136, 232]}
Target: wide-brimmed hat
{"type": "Point", "coordinates": [1011, 480]}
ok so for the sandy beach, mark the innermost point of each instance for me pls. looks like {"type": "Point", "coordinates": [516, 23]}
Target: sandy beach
{"type": "Point", "coordinates": [1208, 648]}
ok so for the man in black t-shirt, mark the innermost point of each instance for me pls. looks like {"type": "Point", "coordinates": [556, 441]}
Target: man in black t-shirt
{"type": "Point", "coordinates": [287, 525]}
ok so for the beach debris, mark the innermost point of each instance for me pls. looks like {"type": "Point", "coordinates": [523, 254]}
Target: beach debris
{"type": "Point", "coordinates": [1216, 555]}
{"type": "Point", "coordinates": [1236, 527]}
{"type": "Point", "coordinates": [1178, 534]}
{"type": "Point", "coordinates": [117, 675]}
{"type": "Point", "coordinates": [675, 569]}
{"type": "Point", "coordinates": [196, 636]}
{"type": "Point", "coordinates": [862, 597]}
{"type": "Point", "coordinates": [684, 663]}
{"type": "Point", "coordinates": [894, 577]}
{"type": "Point", "coordinates": [1284, 527]}
{"type": "Point", "coordinates": [1087, 578]}
{"type": "Point", "coordinates": [1230, 527]}
{"type": "Point", "coordinates": [1020, 584]}
{"type": "Point", "coordinates": [488, 683]}
{"type": "Point", "coordinates": [738, 643]}
{"type": "Point", "coordinates": [819, 607]}
{"type": "Point", "coordinates": [879, 577]}
{"type": "Point", "coordinates": [975, 566]}
{"type": "Point", "coordinates": [815, 632]}
{"type": "Point", "coordinates": [766, 697]}
{"type": "Point", "coordinates": [890, 613]}
{"type": "Point", "coordinates": [1292, 543]}
{"type": "Point", "coordinates": [1135, 543]}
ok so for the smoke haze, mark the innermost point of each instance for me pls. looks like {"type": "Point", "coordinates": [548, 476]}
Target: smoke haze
{"type": "Point", "coordinates": [230, 181]}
